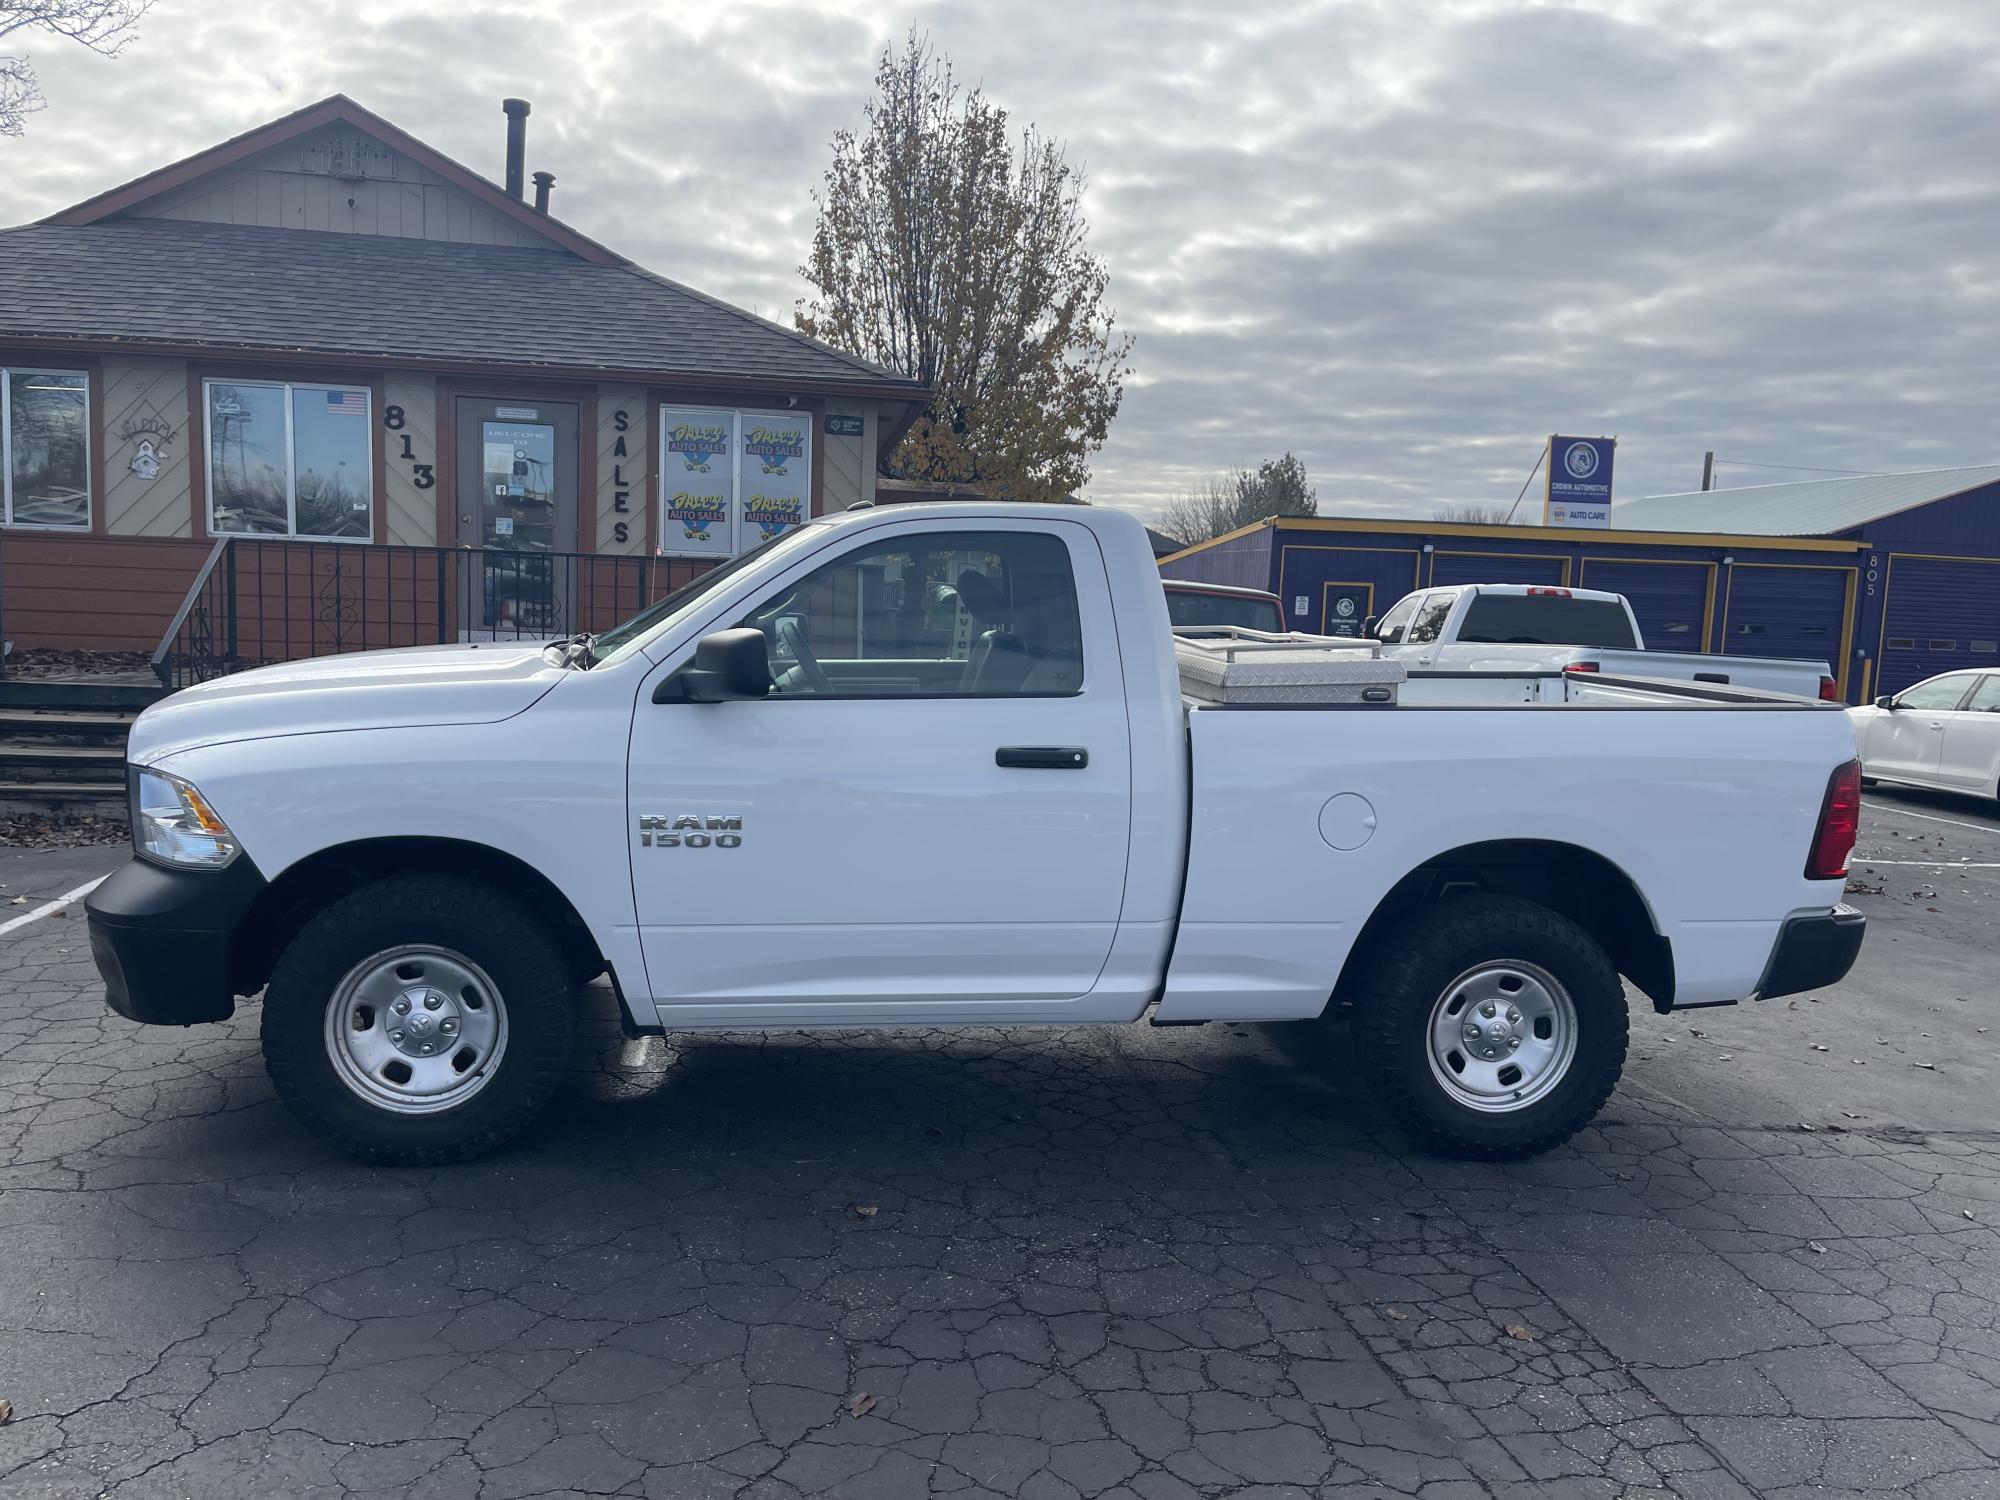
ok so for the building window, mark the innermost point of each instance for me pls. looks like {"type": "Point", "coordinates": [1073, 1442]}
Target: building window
{"type": "Point", "coordinates": [45, 448]}
{"type": "Point", "coordinates": [290, 460]}
{"type": "Point", "coordinates": [731, 480]}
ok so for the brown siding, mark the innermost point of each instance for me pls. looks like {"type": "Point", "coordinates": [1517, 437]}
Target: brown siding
{"type": "Point", "coordinates": [94, 593]}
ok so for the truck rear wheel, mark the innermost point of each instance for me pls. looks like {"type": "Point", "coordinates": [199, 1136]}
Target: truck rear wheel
{"type": "Point", "coordinates": [1492, 1028]}
{"type": "Point", "coordinates": [418, 1020]}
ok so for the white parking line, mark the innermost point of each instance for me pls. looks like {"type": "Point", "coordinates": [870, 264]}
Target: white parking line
{"type": "Point", "coordinates": [56, 905]}
{"type": "Point", "coordinates": [1927, 817]}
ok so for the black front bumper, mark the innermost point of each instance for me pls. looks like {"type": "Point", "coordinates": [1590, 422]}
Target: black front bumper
{"type": "Point", "coordinates": [162, 938]}
{"type": "Point", "coordinates": [1814, 949]}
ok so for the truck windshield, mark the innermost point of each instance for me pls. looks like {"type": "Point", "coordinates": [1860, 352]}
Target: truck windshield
{"type": "Point", "coordinates": [1547, 620]}
{"type": "Point", "coordinates": [621, 641]}
{"type": "Point", "coordinates": [1187, 608]}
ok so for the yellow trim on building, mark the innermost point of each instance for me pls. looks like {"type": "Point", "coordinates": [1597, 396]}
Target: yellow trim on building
{"type": "Point", "coordinates": [1587, 535]}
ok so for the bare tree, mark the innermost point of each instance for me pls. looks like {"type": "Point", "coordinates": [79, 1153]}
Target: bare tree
{"type": "Point", "coordinates": [943, 253]}
{"type": "Point", "coordinates": [1218, 505]}
{"type": "Point", "coordinates": [104, 26]}
{"type": "Point", "coordinates": [1471, 514]}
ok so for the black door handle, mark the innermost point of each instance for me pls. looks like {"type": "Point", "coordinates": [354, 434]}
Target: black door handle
{"type": "Point", "coordinates": [1042, 757]}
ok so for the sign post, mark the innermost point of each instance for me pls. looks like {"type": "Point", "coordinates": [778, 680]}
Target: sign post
{"type": "Point", "coordinates": [1578, 491]}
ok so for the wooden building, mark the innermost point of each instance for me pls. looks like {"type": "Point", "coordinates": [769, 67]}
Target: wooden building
{"type": "Point", "coordinates": [321, 387]}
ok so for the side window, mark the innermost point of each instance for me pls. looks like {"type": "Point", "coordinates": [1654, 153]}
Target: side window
{"type": "Point", "coordinates": [1937, 694]}
{"type": "Point", "coordinates": [1431, 615]}
{"type": "Point", "coordinates": [1389, 629]}
{"type": "Point", "coordinates": [1987, 699]}
{"type": "Point", "coordinates": [982, 614]}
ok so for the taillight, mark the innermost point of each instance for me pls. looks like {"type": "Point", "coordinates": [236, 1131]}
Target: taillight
{"type": "Point", "coordinates": [1581, 666]}
{"type": "Point", "coordinates": [1839, 824]}
{"type": "Point", "coordinates": [1828, 693]}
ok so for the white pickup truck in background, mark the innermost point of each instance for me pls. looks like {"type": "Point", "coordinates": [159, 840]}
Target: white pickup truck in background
{"type": "Point", "coordinates": [935, 765]}
{"type": "Point", "coordinates": [1511, 627]}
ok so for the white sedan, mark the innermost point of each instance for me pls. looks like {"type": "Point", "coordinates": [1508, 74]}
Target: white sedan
{"type": "Point", "coordinates": [1943, 732]}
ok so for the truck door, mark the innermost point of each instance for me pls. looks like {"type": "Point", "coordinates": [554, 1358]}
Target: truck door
{"type": "Point", "coordinates": [932, 809]}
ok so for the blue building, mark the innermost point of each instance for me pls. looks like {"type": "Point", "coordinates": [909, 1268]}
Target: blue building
{"type": "Point", "coordinates": [1888, 578]}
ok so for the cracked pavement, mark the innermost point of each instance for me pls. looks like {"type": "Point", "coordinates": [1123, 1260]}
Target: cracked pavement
{"type": "Point", "coordinates": [1118, 1262]}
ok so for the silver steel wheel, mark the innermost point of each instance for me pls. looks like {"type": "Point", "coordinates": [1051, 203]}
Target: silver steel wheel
{"type": "Point", "coordinates": [416, 1030]}
{"type": "Point", "coordinates": [1502, 1035]}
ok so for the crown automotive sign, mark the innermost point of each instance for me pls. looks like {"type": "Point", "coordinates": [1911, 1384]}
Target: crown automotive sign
{"type": "Point", "coordinates": [1579, 486]}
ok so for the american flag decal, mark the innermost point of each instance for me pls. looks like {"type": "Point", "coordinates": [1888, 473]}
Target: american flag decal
{"type": "Point", "coordinates": [347, 403]}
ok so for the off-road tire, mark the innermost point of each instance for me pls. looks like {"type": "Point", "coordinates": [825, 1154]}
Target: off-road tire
{"type": "Point", "coordinates": [1410, 967]}
{"type": "Point", "coordinates": [499, 934]}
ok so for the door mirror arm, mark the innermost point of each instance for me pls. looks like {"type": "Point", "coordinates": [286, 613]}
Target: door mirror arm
{"type": "Point", "coordinates": [728, 666]}
{"type": "Point", "coordinates": [1887, 700]}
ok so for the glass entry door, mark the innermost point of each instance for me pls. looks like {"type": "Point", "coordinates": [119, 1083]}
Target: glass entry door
{"type": "Point", "coordinates": [517, 503]}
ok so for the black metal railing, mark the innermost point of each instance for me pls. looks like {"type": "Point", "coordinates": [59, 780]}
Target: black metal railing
{"type": "Point", "coordinates": [259, 601]}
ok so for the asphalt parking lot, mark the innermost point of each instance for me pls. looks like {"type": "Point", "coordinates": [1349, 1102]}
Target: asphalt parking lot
{"type": "Point", "coordinates": [1042, 1264]}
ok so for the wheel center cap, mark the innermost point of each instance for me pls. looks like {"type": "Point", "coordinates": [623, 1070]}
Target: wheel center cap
{"type": "Point", "coordinates": [424, 1023]}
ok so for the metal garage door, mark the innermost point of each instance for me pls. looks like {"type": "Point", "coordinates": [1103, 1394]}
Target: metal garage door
{"type": "Point", "coordinates": [1786, 610]}
{"type": "Point", "coordinates": [1942, 614]}
{"type": "Point", "coordinates": [1496, 567]}
{"type": "Point", "coordinates": [1670, 598]}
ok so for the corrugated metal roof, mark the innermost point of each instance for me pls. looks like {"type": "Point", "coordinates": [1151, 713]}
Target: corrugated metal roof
{"type": "Point", "coordinates": [1809, 507]}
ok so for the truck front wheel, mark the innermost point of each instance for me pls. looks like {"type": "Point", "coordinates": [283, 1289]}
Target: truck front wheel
{"type": "Point", "coordinates": [418, 1020]}
{"type": "Point", "coordinates": [1492, 1028]}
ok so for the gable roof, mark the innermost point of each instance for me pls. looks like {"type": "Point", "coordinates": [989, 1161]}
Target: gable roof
{"type": "Point", "coordinates": [1807, 507]}
{"type": "Point", "coordinates": [334, 109]}
{"type": "Point", "coordinates": [178, 284]}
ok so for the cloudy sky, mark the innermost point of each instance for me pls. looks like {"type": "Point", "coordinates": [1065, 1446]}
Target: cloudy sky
{"type": "Point", "coordinates": [1404, 238]}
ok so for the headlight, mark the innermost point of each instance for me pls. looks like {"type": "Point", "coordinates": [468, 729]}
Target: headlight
{"type": "Point", "coordinates": [173, 823]}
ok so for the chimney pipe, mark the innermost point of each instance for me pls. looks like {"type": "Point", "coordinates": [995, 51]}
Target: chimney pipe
{"type": "Point", "coordinates": [517, 142]}
{"type": "Point", "coordinates": [543, 182]}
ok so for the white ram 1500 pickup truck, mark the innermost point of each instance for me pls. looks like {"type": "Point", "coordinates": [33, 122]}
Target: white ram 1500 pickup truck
{"type": "Point", "coordinates": [932, 765]}
{"type": "Point", "coordinates": [1515, 627]}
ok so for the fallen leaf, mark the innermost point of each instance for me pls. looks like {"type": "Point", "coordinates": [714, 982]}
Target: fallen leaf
{"type": "Point", "coordinates": [60, 911]}
{"type": "Point", "coordinates": [7, 1407]}
{"type": "Point", "coordinates": [1516, 1331]}
{"type": "Point", "coordinates": [864, 1210]}
{"type": "Point", "coordinates": [1850, 1114]}
{"type": "Point", "coordinates": [860, 1404]}
{"type": "Point", "coordinates": [18, 901]}
{"type": "Point", "coordinates": [1396, 1313]}
{"type": "Point", "coordinates": [1727, 1056]}
{"type": "Point", "coordinates": [1881, 1041]}
{"type": "Point", "coordinates": [1818, 1048]}
{"type": "Point", "coordinates": [1693, 1032]}
{"type": "Point", "coordinates": [1808, 1129]}
{"type": "Point", "coordinates": [1816, 1247]}
{"type": "Point", "coordinates": [1966, 1211]}
{"type": "Point", "coordinates": [1932, 1067]}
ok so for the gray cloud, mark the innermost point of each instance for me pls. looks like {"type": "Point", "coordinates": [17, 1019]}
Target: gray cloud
{"type": "Point", "coordinates": [1403, 240]}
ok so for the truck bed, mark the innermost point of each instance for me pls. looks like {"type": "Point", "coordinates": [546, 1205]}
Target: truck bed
{"type": "Point", "coordinates": [1656, 777]}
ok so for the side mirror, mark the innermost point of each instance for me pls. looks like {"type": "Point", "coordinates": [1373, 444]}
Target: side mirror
{"type": "Point", "coordinates": [1368, 625]}
{"type": "Point", "coordinates": [727, 665]}
{"type": "Point", "coordinates": [1887, 700]}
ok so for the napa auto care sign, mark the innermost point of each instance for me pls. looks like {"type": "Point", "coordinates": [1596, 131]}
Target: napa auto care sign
{"type": "Point", "coordinates": [1579, 484]}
